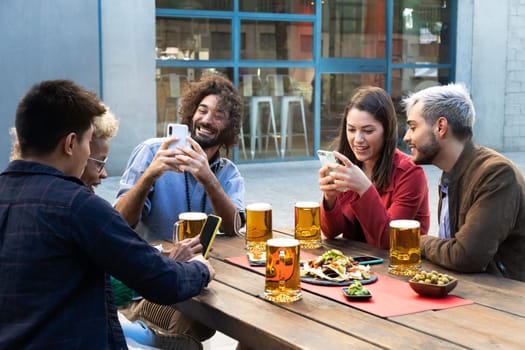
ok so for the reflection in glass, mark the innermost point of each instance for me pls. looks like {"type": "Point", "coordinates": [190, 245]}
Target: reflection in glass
{"type": "Point", "coordinates": [193, 39]}
{"type": "Point", "coordinates": [421, 32]}
{"type": "Point", "coordinates": [217, 5]}
{"type": "Point", "coordinates": [406, 81]}
{"type": "Point", "coordinates": [336, 90]}
{"type": "Point", "coordinates": [354, 29]}
{"type": "Point", "coordinates": [278, 120]}
{"type": "Point", "coordinates": [276, 40]}
{"type": "Point", "coordinates": [305, 7]}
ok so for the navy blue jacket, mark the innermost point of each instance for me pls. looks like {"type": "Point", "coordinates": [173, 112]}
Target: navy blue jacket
{"type": "Point", "coordinates": [58, 242]}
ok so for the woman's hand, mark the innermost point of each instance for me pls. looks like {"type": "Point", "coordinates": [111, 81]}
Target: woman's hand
{"type": "Point", "coordinates": [186, 249]}
{"type": "Point", "coordinates": [347, 176]}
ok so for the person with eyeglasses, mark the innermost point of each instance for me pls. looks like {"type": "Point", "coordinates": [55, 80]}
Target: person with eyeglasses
{"type": "Point", "coordinates": [61, 242]}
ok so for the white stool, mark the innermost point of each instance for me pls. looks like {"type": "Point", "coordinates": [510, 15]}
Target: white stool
{"type": "Point", "coordinates": [255, 124]}
{"type": "Point", "coordinates": [287, 123]}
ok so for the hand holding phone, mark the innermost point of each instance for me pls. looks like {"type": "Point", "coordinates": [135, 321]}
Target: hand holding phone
{"type": "Point", "coordinates": [327, 157]}
{"type": "Point", "coordinates": [208, 232]}
{"type": "Point", "coordinates": [179, 131]}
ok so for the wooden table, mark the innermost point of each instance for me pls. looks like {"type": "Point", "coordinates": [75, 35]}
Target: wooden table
{"type": "Point", "coordinates": [234, 305]}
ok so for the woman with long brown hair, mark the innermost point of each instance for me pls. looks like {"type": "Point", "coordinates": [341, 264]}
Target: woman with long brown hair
{"type": "Point", "coordinates": [373, 182]}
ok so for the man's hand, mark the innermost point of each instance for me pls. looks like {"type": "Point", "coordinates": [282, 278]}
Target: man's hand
{"type": "Point", "coordinates": [195, 161]}
{"type": "Point", "coordinates": [164, 160]}
{"type": "Point", "coordinates": [186, 249]}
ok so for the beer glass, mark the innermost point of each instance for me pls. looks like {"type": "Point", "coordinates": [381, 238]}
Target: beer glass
{"type": "Point", "coordinates": [189, 225]}
{"type": "Point", "coordinates": [258, 226]}
{"type": "Point", "coordinates": [405, 249]}
{"type": "Point", "coordinates": [283, 278]}
{"type": "Point", "coordinates": [307, 224]}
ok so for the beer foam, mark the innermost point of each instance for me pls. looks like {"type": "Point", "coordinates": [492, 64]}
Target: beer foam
{"type": "Point", "coordinates": [282, 242]}
{"type": "Point", "coordinates": [307, 204]}
{"type": "Point", "coordinates": [259, 207]}
{"type": "Point", "coordinates": [406, 224]}
{"type": "Point", "coordinates": [192, 216]}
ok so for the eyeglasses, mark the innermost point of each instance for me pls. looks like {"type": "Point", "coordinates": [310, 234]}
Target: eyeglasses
{"type": "Point", "coordinates": [100, 164]}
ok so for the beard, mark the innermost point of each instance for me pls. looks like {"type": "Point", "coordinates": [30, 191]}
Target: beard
{"type": "Point", "coordinates": [426, 153]}
{"type": "Point", "coordinates": [206, 142]}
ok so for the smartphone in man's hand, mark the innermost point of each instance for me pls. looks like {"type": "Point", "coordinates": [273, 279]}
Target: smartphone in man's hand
{"type": "Point", "coordinates": [179, 131]}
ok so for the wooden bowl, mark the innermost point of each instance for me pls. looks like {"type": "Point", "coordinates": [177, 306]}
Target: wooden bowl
{"type": "Point", "coordinates": [433, 290]}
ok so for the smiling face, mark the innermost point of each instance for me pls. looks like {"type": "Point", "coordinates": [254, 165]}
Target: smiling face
{"type": "Point", "coordinates": [209, 122]}
{"type": "Point", "coordinates": [365, 135]}
{"type": "Point", "coordinates": [420, 137]}
{"type": "Point", "coordinates": [92, 176]}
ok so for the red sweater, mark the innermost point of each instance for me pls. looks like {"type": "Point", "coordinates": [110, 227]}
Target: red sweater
{"type": "Point", "coordinates": [406, 197]}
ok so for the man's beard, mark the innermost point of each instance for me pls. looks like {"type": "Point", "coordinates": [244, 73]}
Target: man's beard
{"type": "Point", "coordinates": [205, 142]}
{"type": "Point", "coordinates": [426, 153]}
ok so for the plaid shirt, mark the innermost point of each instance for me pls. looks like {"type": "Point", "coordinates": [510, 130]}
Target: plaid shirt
{"type": "Point", "coordinates": [58, 242]}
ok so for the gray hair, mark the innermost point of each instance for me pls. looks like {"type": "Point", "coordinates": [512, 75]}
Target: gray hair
{"type": "Point", "coordinates": [450, 101]}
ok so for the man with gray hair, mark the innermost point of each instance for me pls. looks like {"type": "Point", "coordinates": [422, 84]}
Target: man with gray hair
{"type": "Point", "coordinates": [482, 194]}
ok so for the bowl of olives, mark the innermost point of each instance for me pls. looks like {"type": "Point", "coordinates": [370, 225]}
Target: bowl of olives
{"type": "Point", "coordinates": [432, 284]}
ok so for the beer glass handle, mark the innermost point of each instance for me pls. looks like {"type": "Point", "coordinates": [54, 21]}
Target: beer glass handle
{"type": "Point", "coordinates": [240, 230]}
{"type": "Point", "coordinates": [176, 233]}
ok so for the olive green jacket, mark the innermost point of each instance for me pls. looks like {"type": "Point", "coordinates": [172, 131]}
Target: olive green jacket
{"type": "Point", "coordinates": [487, 216]}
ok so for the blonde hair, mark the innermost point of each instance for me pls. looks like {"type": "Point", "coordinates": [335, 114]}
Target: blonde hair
{"type": "Point", "coordinates": [104, 126]}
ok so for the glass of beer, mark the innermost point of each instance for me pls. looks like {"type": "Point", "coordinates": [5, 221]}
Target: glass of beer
{"type": "Point", "coordinates": [189, 225]}
{"type": "Point", "coordinates": [258, 226]}
{"type": "Point", "coordinates": [307, 224]}
{"type": "Point", "coordinates": [283, 277]}
{"type": "Point", "coordinates": [405, 249]}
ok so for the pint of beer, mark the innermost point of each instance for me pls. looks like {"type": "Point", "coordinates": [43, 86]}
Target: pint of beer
{"type": "Point", "coordinates": [307, 224]}
{"type": "Point", "coordinates": [283, 277]}
{"type": "Point", "coordinates": [405, 249]}
{"type": "Point", "coordinates": [258, 226]}
{"type": "Point", "coordinates": [189, 225]}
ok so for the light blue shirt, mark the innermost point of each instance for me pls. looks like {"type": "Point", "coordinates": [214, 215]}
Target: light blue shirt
{"type": "Point", "coordinates": [444, 219]}
{"type": "Point", "coordinates": [167, 197]}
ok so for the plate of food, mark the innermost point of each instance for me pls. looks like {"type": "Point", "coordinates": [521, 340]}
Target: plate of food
{"type": "Point", "coordinates": [333, 268]}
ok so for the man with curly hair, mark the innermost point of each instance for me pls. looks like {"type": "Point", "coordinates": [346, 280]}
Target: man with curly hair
{"type": "Point", "coordinates": [160, 183]}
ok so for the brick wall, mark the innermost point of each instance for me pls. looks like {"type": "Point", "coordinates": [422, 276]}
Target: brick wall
{"type": "Point", "coordinates": [514, 129]}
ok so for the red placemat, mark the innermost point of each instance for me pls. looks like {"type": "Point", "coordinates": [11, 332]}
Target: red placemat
{"type": "Point", "coordinates": [390, 297]}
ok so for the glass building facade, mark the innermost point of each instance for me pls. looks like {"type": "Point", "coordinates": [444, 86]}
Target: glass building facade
{"type": "Point", "coordinates": [296, 62]}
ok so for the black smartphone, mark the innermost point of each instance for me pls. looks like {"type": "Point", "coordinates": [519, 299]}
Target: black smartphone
{"type": "Point", "coordinates": [367, 260]}
{"type": "Point", "coordinates": [208, 232]}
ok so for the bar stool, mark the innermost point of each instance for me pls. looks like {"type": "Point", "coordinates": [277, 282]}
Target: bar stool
{"type": "Point", "coordinates": [276, 81]}
{"type": "Point", "coordinates": [287, 123]}
{"type": "Point", "coordinates": [256, 116]}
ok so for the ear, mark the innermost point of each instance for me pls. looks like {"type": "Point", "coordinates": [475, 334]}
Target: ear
{"type": "Point", "coordinates": [441, 126]}
{"type": "Point", "coordinates": [70, 142]}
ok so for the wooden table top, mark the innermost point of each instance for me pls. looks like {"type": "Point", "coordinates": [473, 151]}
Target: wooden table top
{"type": "Point", "coordinates": [234, 305]}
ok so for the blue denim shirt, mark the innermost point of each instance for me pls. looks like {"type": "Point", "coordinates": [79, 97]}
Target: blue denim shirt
{"type": "Point", "coordinates": [58, 243]}
{"type": "Point", "coordinates": [168, 195]}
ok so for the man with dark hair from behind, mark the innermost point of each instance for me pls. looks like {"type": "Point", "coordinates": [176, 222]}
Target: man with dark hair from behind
{"type": "Point", "coordinates": [59, 242]}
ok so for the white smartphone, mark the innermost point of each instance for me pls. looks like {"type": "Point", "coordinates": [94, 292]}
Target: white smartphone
{"type": "Point", "coordinates": [179, 131]}
{"type": "Point", "coordinates": [208, 232]}
{"type": "Point", "coordinates": [326, 157]}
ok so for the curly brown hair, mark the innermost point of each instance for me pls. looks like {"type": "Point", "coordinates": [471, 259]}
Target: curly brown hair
{"type": "Point", "coordinates": [229, 100]}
